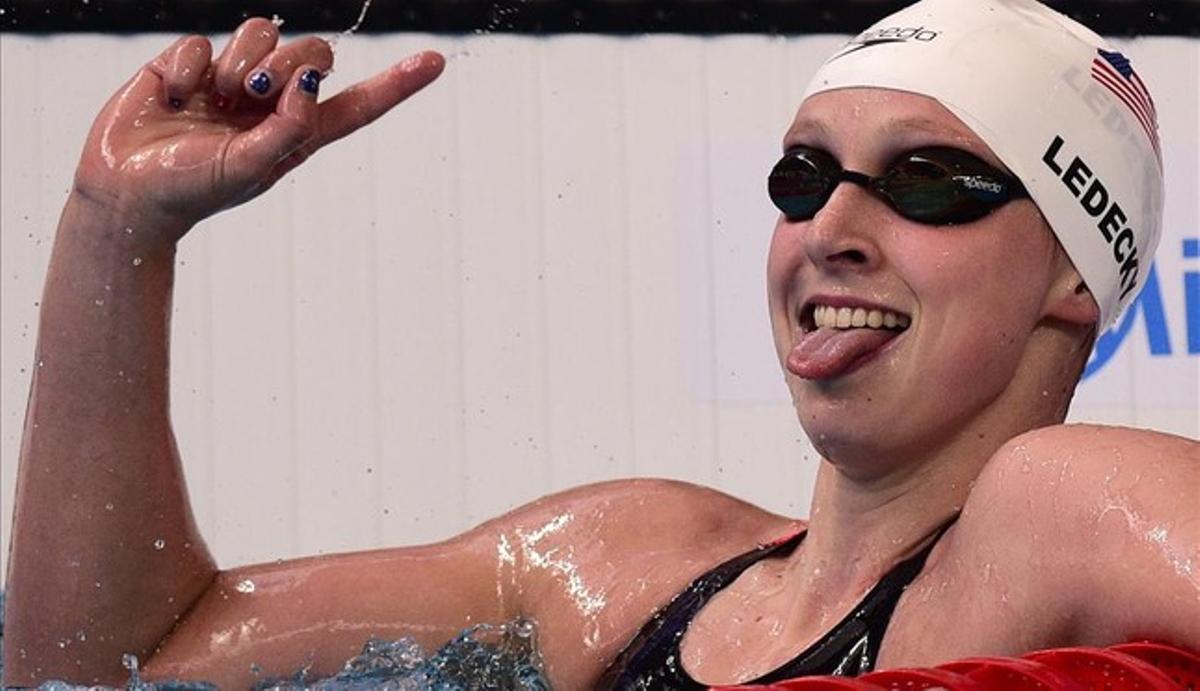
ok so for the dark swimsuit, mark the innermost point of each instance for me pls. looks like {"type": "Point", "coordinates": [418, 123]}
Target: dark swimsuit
{"type": "Point", "coordinates": [652, 659]}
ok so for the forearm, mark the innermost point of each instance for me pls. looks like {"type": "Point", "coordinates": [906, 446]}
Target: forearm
{"type": "Point", "coordinates": [105, 552]}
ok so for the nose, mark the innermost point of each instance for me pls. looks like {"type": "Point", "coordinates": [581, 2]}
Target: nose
{"type": "Point", "coordinates": [844, 235]}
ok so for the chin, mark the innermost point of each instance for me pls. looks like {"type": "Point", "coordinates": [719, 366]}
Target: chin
{"type": "Point", "coordinates": [848, 429]}
{"type": "Point", "coordinates": [863, 434]}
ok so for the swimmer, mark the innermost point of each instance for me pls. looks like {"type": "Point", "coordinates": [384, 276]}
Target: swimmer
{"type": "Point", "coordinates": [936, 279]}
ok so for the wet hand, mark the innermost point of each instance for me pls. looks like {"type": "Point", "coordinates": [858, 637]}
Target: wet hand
{"type": "Point", "coordinates": [188, 136]}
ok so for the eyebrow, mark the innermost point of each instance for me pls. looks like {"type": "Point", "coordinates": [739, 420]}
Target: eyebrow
{"type": "Point", "coordinates": [804, 129]}
{"type": "Point", "coordinates": [809, 129]}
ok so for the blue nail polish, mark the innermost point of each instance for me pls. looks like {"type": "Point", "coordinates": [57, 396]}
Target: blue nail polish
{"type": "Point", "coordinates": [260, 82]}
{"type": "Point", "coordinates": [310, 81]}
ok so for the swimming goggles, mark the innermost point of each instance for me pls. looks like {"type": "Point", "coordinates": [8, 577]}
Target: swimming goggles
{"type": "Point", "coordinates": [935, 186]}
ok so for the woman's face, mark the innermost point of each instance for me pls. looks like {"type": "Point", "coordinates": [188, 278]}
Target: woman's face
{"type": "Point", "coordinates": [970, 294]}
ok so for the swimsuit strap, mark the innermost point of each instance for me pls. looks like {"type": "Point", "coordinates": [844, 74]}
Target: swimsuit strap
{"type": "Point", "coordinates": [652, 660]}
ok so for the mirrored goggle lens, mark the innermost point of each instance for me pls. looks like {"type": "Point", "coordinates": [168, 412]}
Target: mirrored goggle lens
{"type": "Point", "coordinates": [797, 186]}
{"type": "Point", "coordinates": [937, 186]}
{"type": "Point", "coordinates": [926, 189]}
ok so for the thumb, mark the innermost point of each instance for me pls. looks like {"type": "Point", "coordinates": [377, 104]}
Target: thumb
{"type": "Point", "coordinates": [253, 154]}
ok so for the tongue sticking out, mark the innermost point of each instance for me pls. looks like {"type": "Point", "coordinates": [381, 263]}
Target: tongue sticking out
{"type": "Point", "coordinates": [825, 353]}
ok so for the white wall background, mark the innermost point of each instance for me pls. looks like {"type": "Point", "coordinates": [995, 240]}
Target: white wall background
{"type": "Point", "coordinates": [543, 271]}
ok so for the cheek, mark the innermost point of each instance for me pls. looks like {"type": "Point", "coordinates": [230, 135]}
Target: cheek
{"type": "Point", "coordinates": [998, 272]}
{"type": "Point", "coordinates": [991, 308]}
{"type": "Point", "coordinates": [782, 273]}
{"type": "Point", "coordinates": [985, 356]}
{"type": "Point", "coordinates": [781, 267]}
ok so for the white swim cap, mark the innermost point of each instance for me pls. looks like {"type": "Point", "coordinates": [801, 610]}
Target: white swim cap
{"type": "Point", "coordinates": [1063, 111]}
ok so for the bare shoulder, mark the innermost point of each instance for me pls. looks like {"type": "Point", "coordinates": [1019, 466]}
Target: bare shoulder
{"type": "Point", "coordinates": [1072, 535]}
{"type": "Point", "coordinates": [615, 532]}
{"type": "Point", "coordinates": [593, 564]}
{"type": "Point", "coordinates": [1083, 534]}
{"type": "Point", "coordinates": [1093, 446]}
{"type": "Point", "coordinates": [1073, 469]}
{"type": "Point", "coordinates": [1069, 482]}
{"type": "Point", "coordinates": [631, 513]}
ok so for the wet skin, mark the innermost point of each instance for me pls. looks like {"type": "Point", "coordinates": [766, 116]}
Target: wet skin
{"type": "Point", "coordinates": [1054, 520]}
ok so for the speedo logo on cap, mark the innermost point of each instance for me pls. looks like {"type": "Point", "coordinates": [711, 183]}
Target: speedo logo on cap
{"type": "Point", "coordinates": [1096, 199]}
{"type": "Point", "coordinates": [892, 34]}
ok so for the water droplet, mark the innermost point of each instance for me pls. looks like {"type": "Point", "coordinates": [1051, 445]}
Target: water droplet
{"type": "Point", "coordinates": [160, 543]}
{"type": "Point", "coordinates": [137, 261]}
{"type": "Point", "coordinates": [357, 23]}
{"type": "Point", "coordinates": [522, 628]}
{"type": "Point", "coordinates": [108, 506]}
{"type": "Point", "coordinates": [246, 586]}
{"type": "Point", "coordinates": [128, 230]}
{"type": "Point", "coordinates": [99, 302]}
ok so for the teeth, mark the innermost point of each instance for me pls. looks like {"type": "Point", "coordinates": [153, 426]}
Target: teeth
{"type": "Point", "coordinates": [825, 316]}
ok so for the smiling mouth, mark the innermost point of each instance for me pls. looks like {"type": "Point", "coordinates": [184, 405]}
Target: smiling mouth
{"type": "Point", "coordinates": [835, 341]}
{"type": "Point", "coordinates": [829, 317]}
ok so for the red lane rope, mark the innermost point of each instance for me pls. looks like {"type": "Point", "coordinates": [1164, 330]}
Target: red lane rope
{"type": "Point", "coordinates": [1134, 666]}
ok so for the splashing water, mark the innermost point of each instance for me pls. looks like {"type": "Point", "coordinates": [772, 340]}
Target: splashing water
{"type": "Point", "coordinates": [486, 656]}
{"type": "Point", "coordinates": [362, 14]}
{"type": "Point", "coordinates": [481, 657]}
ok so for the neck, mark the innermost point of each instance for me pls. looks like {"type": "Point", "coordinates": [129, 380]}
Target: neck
{"type": "Point", "coordinates": [859, 528]}
{"type": "Point", "coordinates": [874, 505]}
{"type": "Point", "coordinates": [867, 514]}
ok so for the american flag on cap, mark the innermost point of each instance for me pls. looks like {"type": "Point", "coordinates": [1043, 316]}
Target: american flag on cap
{"type": "Point", "coordinates": [1114, 72]}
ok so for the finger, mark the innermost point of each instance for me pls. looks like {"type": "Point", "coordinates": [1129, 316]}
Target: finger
{"type": "Point", "coordinates": [173, 66]}
{"type": "Point", "coordinates": [252, 41]}
{"type": "Point", "coordinates": [266, 79]}
{"type": "Point", "coordinates": [253, 154]}
{"type": "Point", "coordinates": [186, 68]}
{"type": "Point", "coordinates": [367, 100]}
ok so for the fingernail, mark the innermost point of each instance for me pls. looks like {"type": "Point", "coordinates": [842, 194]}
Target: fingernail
{"type": "Point", "coordinates": [310, 81]}
{"type": "Point", "coordinates": [260, 82]}
{"type": "Point", "coordinates": [175, 103]}
{"type": "Point", "coordinates": [221, 101]}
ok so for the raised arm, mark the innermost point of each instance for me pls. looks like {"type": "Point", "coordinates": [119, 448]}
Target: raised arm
{"type": "Point", "coordinates": [105, 554]}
